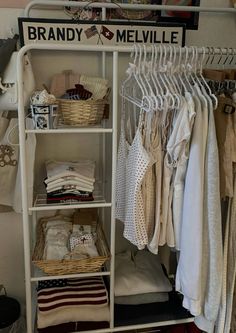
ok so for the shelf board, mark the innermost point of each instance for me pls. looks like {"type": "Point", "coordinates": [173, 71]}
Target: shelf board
{"type": "Point", "coordinates": [71, 130]}
{"type": "Point", "coordinates": [40, 204]}
{"type": "Point", "coordinates": [145, 314]}
{"type": "Point", "coordinates": [144, 326]}
{"type": "Point", "coordinates": [40, 276]}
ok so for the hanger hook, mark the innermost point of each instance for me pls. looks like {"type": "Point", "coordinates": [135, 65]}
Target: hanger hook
{"type": "Point", "coordinates": [231, 48]}
{"type": "Point", "coordinates": [180, 56]}
{"type": "Point", "coordinates": [144, 53]}
{"type": "Point", "coordinates": [140, 56]}
{"type": "Point", "coordinates": [202, 59]}
{"type": "Point", "coordinates": [208, 54]}
{"type": "Point", "coordinates": [213, 55]}
{"type": "Point", "coordinates": [174, 56]}
{"type": "Point", "coordinates": [135, 54]}
{"type": "Point", "coordinates": [186, 55]}
{"type": "Point", "coordinates": [227, 56]}
{"type": "Point", "coordinates": [191, 62]}
{"type": "Point", "coordinates": [221, 55]}
{"type": "Point", "coordinates": [160, 54]}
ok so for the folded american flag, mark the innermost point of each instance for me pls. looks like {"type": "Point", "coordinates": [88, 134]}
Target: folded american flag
{"type": "Point", "coordinates": [77, 292]}
{"type": "Point", "coordinates": [90, 32]}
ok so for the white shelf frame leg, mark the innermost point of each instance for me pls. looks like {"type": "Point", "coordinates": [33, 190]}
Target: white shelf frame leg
{"type": "Point", "coordinates": [113, 193]}
{"type": "Point", "coordinates": [25, 216]}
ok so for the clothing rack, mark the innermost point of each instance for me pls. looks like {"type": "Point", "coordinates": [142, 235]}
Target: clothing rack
{"type": "Point", "coordinates": [115, 50]}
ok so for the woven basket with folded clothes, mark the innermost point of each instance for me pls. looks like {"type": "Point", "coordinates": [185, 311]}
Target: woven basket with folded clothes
{"type": "Point", "coordinates": [66, 245]}
{"type": "Point", "coordinates": [84, 102]}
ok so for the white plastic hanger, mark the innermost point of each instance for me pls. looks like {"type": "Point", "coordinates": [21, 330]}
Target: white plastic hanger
{"type": "Point", "coordinates": [173, 69]}
{"type": "Point", "coordinates": [144, 77]}
{"type": "Point", "coordinates": [147, 98]}
{"type": "Point", "coordinates": [169, 96]}
{"type": "Point", "coordinates": [131, 89]}
{"type": "Point", "coordinates": [206, 86]}
{"type": "Point", "coordinates": [186, 69]}
{"type": "Point", "coordinates": [158, 103]}
{"type": "Point", "coordinates": [156, 71]}
{"type": "Point", "coordinates": [180, 70]}
{"type": "Point", "coordinates": [171, 77]}
{"type": "Point", "coordinates": [151, 69]}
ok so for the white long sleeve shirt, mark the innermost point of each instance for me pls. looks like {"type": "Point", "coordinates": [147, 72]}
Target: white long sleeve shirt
{"type": "Point", "coordinates": [189, 270]}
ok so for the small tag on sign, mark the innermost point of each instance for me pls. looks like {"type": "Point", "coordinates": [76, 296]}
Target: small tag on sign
{"type": "Point", "coordinates": [229, 109]}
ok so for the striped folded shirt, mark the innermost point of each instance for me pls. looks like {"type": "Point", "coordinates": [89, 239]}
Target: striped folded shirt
{"type": "Point", "coordinates": [77, 293]}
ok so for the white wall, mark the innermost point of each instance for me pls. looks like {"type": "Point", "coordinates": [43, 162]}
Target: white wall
{"type": "Point", "coordinates": [214, 30]}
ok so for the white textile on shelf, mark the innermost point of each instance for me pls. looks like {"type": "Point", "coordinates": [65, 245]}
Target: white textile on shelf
{"type": "Point", "coordinates": [83, 252]}
{"type": "Point", "coordinates": [85, 313]}
{"type": "Point", "coordinates": [83, 169]}
{"type": "Point", "coordinates": [56, 239]}
{"type": "Point", "coordinates": [70, 187]}
{"type": "Point", "coordinates": [97, 86]}
{"type": "Point", "coordinates": [74, 179]}
{"type": "Point", "coordinates": [55, 252]}
{"type": "Point", "coordinates": [142, 298]}
{"type": "Point", "coordinates": [58, 223]}
{"type": "Point", "coordinates": [140, 274]}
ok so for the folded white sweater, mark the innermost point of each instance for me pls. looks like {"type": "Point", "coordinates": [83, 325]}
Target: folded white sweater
{"type": "Point", "coordinates": [139, 274]}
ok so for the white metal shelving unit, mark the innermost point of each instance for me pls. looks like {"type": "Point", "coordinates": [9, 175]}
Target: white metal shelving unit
{"type": "Point", "coordinates": [33, 276]}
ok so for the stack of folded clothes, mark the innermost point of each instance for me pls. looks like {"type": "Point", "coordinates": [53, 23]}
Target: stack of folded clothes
{"type": "Point", "coordinates": [140, 279]}
{"type": "Point", "coordinates": [82, 242]}
{"type": "Point", "coordinates": [69, 182]}
{"type": "Point", "coordinates": [56, 233]}
{"type": "Point", "coordinates": [72, 305]}
{"type": "Point", "coordinates": [64, 240]}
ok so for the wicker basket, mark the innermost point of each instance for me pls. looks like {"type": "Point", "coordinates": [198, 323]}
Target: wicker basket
{"type": "Point", "coordinates": [82, 112]}
{"type": "Point", "coordinates": [62, 267]}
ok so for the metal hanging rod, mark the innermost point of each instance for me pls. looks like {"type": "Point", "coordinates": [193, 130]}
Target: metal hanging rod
{"type": "Point", "coordinates": [122, 49]}
{"type": "Point", "coordinates": [47, 3]}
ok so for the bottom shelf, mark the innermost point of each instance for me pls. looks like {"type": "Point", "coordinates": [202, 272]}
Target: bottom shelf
{"type": "Point", "coordinates": [132, 318]}
{"type": "Point", "coordinates": [150, 313]}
